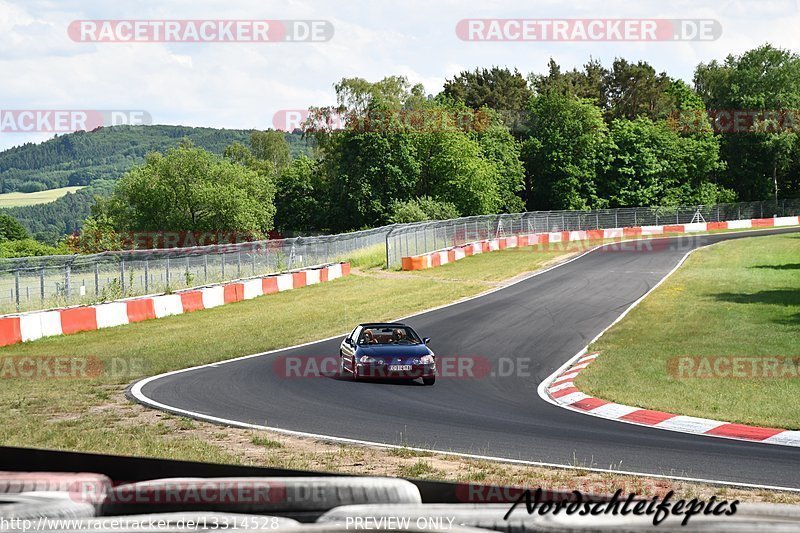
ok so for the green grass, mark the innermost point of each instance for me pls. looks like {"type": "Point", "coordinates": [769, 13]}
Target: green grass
{"type": "Point", "coordinates": [17, 199]}
{"type": "Point", "coordinates": [69, 414]}
{"type": "Point", "coordinates": [738, 298]}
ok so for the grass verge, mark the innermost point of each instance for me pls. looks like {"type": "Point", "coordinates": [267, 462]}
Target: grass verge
{"type": "Point", "coordinates": [736, 299]}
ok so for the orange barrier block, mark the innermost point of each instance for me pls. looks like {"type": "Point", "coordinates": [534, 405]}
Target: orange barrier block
{"type": "Point", "coordinates": [233, 292]}
{"type": "Point", "coordinates": [409, 263]}
{"type": "Point", "coordinates": [674, 228]}
{"type": "Point", "coordinates": [436, 259]}
{"type": "Point", "coordinates": [323, 275]}
{"type": "Point", "coordinates": [632, 232]}
{"type": "Point", "coordinates": [140, 310]}
{"type": "Point", "coordinates": [594, 234]}
{"type": "Point", "coordinates": [763, 222]}
{"type": "Point", "coordinates": [522, 240]}
{"type": "Point", "coordinates": [544, 238]}
{"type": "Point", "coordinates": [10, 332]}
{"type": "Point", "coordinates": [451, 256]}
{"type": "Point", "coordinates": [485, 246]}
{"type": "Point", "coordinates": [345, 269]}
{"type": "Point", "coordinates": [192, 301]}
{"type": "Point", "coordinates": [716, 225]}
{"type": "Point", "coordinates": [78, 319]}
{"type": "Point", "coordinates": [298, 279]}
{"type": "Point", "coordinates": [468, 251]}
{"type": "Point", "coordinates": [564, 236]}
{"type": "Point", "coordinates": [502, 244]}
{"type": "Point", "coordinates": [269, 285]}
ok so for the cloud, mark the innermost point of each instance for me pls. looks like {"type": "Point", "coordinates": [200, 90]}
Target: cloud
{"type": "Point", "coordinates": [243, 85]}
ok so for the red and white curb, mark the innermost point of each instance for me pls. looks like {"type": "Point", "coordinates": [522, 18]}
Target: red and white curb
{"type": "Point", "coordinates": [35, 325]}
{"type": "Point", "coordinates": [563, 391]}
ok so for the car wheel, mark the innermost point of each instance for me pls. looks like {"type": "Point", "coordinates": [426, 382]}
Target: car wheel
{"type": "Point", "coordinates": [429, 381]}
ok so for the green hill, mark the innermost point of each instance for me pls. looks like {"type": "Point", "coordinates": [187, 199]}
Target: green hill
{"type": "Point", "coordinates": [96, 159]}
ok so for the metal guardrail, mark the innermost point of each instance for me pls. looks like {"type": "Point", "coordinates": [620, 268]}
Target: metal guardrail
{"type": "Point", "coordinates": [40, 282]}
{"type": "Point", "coordinates": [414, 239]}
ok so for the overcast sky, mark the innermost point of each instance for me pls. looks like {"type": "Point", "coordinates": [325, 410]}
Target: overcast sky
{"type": "Point", "coordinates": [238, 85]}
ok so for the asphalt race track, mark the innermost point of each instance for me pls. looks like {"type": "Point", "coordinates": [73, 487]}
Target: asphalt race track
{"type": "Point", "coordinates": [545, 319]}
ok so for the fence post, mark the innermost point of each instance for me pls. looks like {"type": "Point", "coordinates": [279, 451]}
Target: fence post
{"type": "Point", "coordinates": [67, 289]}
{"type": "Point", "coordinates": [96, 278]}
{"type": "Point", "coordinates": [238, 263]}
{"type": "Point", "coordinates": [41, 283]}
{"type": "Point", "coordinates": [205, 268]}
{"type": "Point", "coordinates": [16, 287]}
{"type": "Point", "coordinates": [388, 262]}
{"type": "Point", "coordinates": [122, 275]}
{"type": "Point", "coordinates": [167, 265]}
{"type": "Point", "coordinates": [147, 276]}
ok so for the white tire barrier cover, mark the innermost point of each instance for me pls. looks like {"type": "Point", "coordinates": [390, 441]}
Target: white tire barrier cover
{"type": "Point", "coordinates": [256, 494]}
{"type": "Point", "coordinates": [30, 505]}
{"type": "Point", "coordinates": [88, 486]}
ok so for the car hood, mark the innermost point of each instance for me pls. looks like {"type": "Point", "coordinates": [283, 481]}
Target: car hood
{"type": "Point", "coordinates": [394, 350]}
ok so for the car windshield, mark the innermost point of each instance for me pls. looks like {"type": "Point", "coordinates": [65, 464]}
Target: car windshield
{"type": "Point", "coordinates": [388, 335]}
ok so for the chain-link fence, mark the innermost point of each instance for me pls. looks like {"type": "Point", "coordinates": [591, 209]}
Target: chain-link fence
{"type": "Point", "coordinates": [42, 282]}
{"type": "Point", "coordinates": [413, 239]}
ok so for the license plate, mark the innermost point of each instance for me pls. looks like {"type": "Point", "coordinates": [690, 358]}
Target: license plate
{"type": "Point", "coordinates": [399, 368]}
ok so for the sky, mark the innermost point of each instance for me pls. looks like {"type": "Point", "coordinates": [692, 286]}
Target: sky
{"type": "Point", "coordinates": [243, 85]}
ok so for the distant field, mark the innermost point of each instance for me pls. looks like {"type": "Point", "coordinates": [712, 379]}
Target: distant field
{"type": "Point", "coordinates": [18, 199]}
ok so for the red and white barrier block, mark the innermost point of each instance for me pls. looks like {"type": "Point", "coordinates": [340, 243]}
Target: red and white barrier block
{"type": "Point", "coordinates": [441, 257]}
{"type": "Point", "coordinates": [564, 392]}
{"type": "Point", "coordinates": [35, 325]}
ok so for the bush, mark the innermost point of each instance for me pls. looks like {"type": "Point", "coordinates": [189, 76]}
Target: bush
{"type": "Point", "coordinates": [29, 248]}
{"type": "Point", "coordinates": [421, 209]}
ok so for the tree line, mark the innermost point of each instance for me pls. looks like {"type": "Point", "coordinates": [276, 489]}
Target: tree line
{"type": "Point", "coordinates": [491, 141]}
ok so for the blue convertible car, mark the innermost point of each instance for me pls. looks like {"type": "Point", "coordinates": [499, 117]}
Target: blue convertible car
{"type": "Point", "coordinates": [387, 350]}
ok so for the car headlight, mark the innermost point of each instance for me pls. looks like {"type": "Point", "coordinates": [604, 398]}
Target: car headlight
{"type": "Point", "coordinates": [367, 359]}
{"type": "Point", "coordinates": [426, 360]}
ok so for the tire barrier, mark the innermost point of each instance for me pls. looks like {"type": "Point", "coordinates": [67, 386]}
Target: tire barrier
{"type": "Point", "coordinates": [287, 496]}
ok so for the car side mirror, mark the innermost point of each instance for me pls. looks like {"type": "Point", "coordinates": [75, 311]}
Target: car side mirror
{"type": "Point", "coordinates": [426, 340]}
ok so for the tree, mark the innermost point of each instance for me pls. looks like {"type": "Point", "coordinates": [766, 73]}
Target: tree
{"type": "Point", "coordinates": [497, 88]}
{"type": "Point", "coordinates": [190, 189]}
{"type": "Point", "coordinates": [652, 164]}
{"type": "Point", "coordinates": [499, 147]}
{"type": "Point", "coordinates": [634, 90]}
{"type": "Point", "coordinates": [456, 171]}
{"type": "Point", "coordinates": [299, 197]}
{"type": "Point", "coordinates": [271, 148]}
{"type": "Point", "coordinates": [567, 149]}
{"type": "Point", "coordinates": [762, 154]}
{"type": "Point", "coordinates": [11, 229]}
